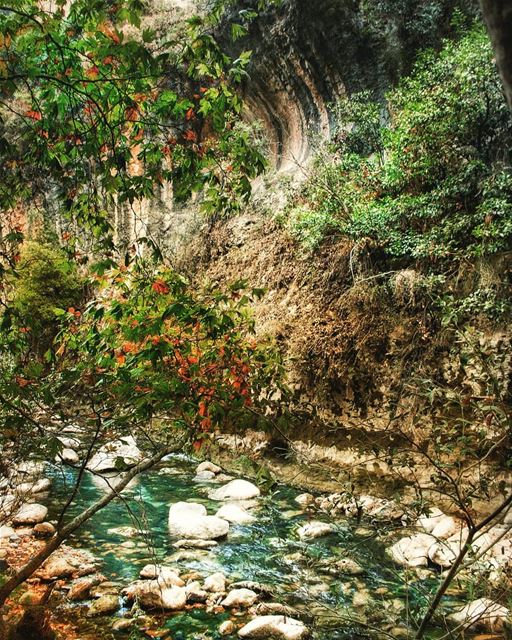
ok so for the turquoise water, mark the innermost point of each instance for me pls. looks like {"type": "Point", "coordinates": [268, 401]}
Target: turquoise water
{"type": "Point", "coordinates": [267, 551]}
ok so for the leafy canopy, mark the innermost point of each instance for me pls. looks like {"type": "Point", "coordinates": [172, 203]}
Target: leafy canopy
{"type": "Point", "coordinates": [149, 347]}
{"type": "Point", "coordinates": [96, 110]}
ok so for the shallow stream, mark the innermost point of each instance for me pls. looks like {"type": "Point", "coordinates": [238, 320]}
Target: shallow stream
{"type": "Point", "coordinates": [268, 551]}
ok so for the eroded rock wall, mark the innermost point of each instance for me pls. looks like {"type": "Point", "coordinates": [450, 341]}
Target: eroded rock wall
{"type": "Point", "coordinates": [306, 55]}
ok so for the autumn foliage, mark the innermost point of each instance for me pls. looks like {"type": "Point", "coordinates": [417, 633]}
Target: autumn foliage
{"type": "Point", "coordinates": [159, 348]}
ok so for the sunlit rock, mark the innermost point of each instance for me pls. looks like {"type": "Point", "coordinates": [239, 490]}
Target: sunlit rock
{"type": "Point", "coordinates": [165, 575]}
{"type": "Point", "coordinates": [315, 529]}
{"type": "Point", "coordinates": [216, 583]}
{"type": "Point", "coordinates": [103, 606]}
{"type": "Point", "coordinates": [80, 588]}
{"type": "Point", "coordinates": [412, 551]}
{"type": "Point", "coordinates": [208, 466]}
{"type": "Point", "coordinates": [305, 500]}
{"type": "Point", "coordinates": [195, 593]}
{"type": "Point", "coordinates": [30, 514]}
{"type": "Point", "coordinates": [484, 614]}
{"type": "Point", "coordinates": [152, 594]}
{"type": "Point", "coordinates": [235, 490]}
{"type": "Point", "coordinates": [188, 520]}
{"type": "Point", "coordinates": [109, 457]}
{"type": "Point", "coordinates": [240, 598]}
{"type": "Point", "coordinates": [235, 514]}
{"type": "Point", "coordinates": [278, 627]}
{"type": "Point", "coordinates": [439, 525]}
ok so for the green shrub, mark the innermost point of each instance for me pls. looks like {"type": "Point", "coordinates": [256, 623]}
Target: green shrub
{"type": "Point", "coordinates": [427, 176]}
{"type": "Point", "coordinates": [46, 280]}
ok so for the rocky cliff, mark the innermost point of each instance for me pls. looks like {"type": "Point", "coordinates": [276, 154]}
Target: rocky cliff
{"type": "Point", "coordinates": [308, 54]}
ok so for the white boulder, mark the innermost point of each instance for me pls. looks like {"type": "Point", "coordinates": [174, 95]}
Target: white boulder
{"type": "Point", "coordinates": [235, 514]}
{"type": "Point", "coordinates": [439, 525]}
{"type": "Point", "coordinates": [208, 466]}
{"type": "Point", "coordinates": [216, 583]}
{"type": "Point", "coordinates": [203, 476]}
{"type": "Point", "coordinates": [187, 509]}
{"type": "Point", "coordinates": [30, 514]}
{"type": "Point", "coordinates": [68, 456]}
{"type": "Point", "coordinates": [482, 614]}
{"type": "Point", "coordinates": [195, 593]}
{"type": "Point", "coordinates": [189, 520]}
{"type": "Point", "coordinates": [412, 551]}
{"type": "Point", "coordinates": [240, 598]}
{"type": "Point", "coordinates": [105, 459]}
{"type": "Point", "coordinates": [153, 594]}
{"type": "Point", "coordinates": [444, 552]}
{"type": "Point", "coordinates": [279, 627]}
{"type": "Point", "coordinates": [305, 500]}
{"type": "Point", "coordinates": [315, 529]}
{"type": "Point", "coordinates": [227, 628]}
{"type": "Point", "coordinates": [165, 575]}
{"type": "Point", "coordinates": [235, 490]}
{"type": "Point", "coordinates": [39, 486]}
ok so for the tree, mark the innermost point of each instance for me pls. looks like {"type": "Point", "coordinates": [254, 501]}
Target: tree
{"type": "Point", "coordinates": [498, 18]}
{"type": "Point", "coordinates": [45, 278]}
{"type": "Point", "coordinates": [98, 111]}
{"type": "Point", "coordinates": [149, 356]}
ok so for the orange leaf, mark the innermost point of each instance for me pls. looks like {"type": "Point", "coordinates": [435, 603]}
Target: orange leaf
{"type": "Point", "coordinates": [92, 72]}
{"type": "Point", "coordinates": [35, 115]}
{"type": "Point", "coordinates": [129, 347]}
{"type": "Point", "coordinates": [159, 286]}
{"type": "Point", "coordinates": [190, 135]}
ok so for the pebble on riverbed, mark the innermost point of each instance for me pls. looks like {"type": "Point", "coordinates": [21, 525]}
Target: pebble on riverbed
{"type": "Point", "coordinates": [103, 606]}
{"type": "Point", "coordinates": [227, 628]}
{"type": "Point", "coordinates": [315, 529]}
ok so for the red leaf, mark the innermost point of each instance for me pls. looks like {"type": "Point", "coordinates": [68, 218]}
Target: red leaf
{"type": "Point", "coordinates": [35, 115]}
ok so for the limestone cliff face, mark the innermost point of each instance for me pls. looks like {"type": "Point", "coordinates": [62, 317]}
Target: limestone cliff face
{"type": "Point", "coordinates": [307, 54]}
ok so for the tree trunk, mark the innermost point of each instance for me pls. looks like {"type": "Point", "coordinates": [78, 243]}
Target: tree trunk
{"type": "Point", "coordinates": [498, 18]}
